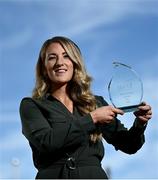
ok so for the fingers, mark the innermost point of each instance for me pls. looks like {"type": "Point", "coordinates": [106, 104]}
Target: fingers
{"type": "Point", "coordinates": [105, 114]}
{"type": "Point", "coordinates": [144, 112]}
{"type": "Point", "coordinates": [113, 113]}
{"type": "Point", "coordinates": [144, 107]}
{"type": "Point", "coordinates": [144, 118]}
{"type": "Point", "coordinates": [117, 111]}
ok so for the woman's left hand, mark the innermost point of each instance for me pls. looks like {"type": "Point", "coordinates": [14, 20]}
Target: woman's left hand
{"type": "Point", "coordinates": [144, 113]}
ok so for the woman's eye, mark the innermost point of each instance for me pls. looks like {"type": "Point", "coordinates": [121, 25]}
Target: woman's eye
{"type": "Point", "coordinates": [66, 56]}
{"type": "Point", "coordinates": [51, 58]}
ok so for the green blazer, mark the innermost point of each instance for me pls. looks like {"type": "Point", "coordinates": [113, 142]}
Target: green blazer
{"type": "Point", "coordinates": [55, 135]}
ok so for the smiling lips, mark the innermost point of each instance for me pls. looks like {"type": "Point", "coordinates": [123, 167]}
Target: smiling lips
{"type": "Point", "coordinates": [60, 70]}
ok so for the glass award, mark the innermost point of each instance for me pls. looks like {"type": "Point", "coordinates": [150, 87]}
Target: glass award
{"type": "Point", "coordinates": [125, 88]}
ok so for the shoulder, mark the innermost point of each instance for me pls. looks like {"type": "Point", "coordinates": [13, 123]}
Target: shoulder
{"type": "Point", "coordinates": [34, 103]}
{"type": "Point", "coordinates": [28, 101]}
{"type": "Point", "coordinates": [29, 104]}
{"type": "Point", "coordinates": [101, 101]}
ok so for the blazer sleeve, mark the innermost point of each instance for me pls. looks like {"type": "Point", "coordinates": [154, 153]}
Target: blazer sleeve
{"type": "Point", "coordinates": [45, 138]}
{"type": "Point", "coordinates": [115, 133]}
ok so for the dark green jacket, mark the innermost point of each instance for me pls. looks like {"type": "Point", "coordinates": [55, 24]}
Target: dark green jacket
{"type": "Point", "coordinates": [55, 134]}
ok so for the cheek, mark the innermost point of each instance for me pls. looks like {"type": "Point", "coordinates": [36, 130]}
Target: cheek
{"type": "Point", "coordinates": [72, 69]}
{"type": "Point", "coordinates": [49, 66]}
{"type": "Point", "coordinates": [48, 71]}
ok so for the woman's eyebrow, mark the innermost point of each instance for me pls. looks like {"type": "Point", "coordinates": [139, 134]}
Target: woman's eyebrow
{"type": "Point", "coordinates": [50, 54]}
{"type": "Point", "coordinates": [64, 53]}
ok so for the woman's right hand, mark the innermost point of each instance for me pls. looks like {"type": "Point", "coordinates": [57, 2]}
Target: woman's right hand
{"type": "Point", "coordinates": [105, 114]}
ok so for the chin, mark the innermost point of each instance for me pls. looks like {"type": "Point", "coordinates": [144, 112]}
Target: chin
{"type": "Point", "coordinates": [61, 83]}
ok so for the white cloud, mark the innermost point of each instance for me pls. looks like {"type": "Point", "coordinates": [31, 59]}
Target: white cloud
{"type": "Point", "coordinates": [85, 15]}
{"type": "Point", "coordinates": [74, 17]}
{"type": "Point", "coordinates": [10, 117]}
{"type": "Point", "coordinates": [13, 141]}
{"type": "Point", "coordinates": [17, 39]}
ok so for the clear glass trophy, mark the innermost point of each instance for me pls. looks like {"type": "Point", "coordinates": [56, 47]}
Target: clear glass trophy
{"type": "Point", "coordinates": [125, 88]}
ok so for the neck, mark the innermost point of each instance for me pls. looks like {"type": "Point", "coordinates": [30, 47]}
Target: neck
{"type": "Point", "coordinates": [61, 94]}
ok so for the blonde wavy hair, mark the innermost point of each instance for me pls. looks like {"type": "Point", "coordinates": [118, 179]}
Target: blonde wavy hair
{"type": "Point", "coordinates": [78, 87]}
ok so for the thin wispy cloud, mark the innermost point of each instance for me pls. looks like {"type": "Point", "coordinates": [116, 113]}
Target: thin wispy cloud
{"type": "Point", "coordinates": [13, 141]}
{"type": "Point", "coordinates": [17, 39]}
{"type": "Point", "coordinates": [95, 14]}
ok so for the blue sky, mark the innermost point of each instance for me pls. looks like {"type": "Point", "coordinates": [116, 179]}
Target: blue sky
{"type": "Point", "coordinates": [106, 31]}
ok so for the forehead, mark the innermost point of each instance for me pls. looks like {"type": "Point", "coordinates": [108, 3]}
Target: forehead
{"type": "Point", "coordinates": [55, 47]}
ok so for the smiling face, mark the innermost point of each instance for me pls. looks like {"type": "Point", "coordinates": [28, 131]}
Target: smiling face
{"type": "Point", "coordinates": [58, 64]}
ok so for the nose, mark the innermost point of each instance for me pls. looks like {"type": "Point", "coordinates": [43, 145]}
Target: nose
{"type": "Point", "coordinates": [60, 61]}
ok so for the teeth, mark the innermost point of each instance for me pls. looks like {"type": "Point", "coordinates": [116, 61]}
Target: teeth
{"type": "Point", "coordinates": [60, 70]}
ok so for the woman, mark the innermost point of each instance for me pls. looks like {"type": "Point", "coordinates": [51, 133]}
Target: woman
{"type": "Point", "coordinates": [65, 123]}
